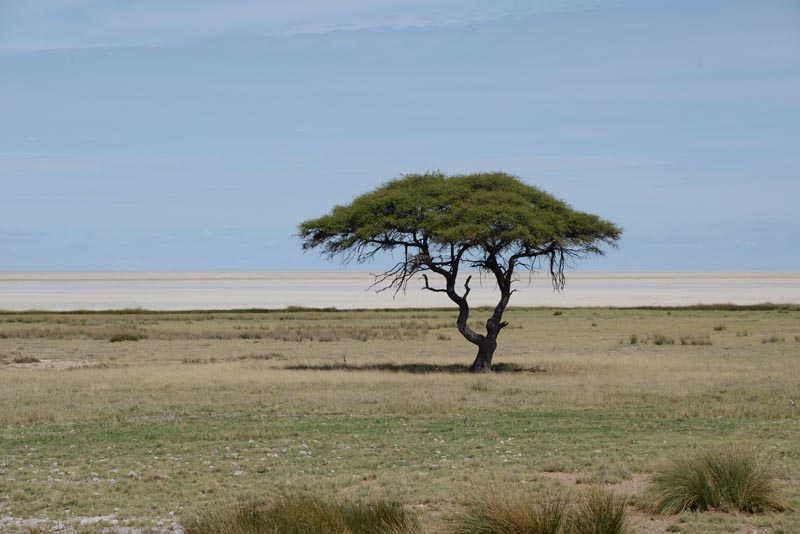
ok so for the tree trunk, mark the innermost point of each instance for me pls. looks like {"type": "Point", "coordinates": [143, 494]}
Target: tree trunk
{"type": "Point", "coordinates": [483, 361]}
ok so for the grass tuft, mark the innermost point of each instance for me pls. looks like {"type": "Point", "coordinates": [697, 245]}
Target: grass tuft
{"type": "Point", "coordinates": [661, 339]}
{"type": "Point", "coordinates": [600, 513]}
{"type": "Point", "coordinates": [695, 340]}
{"type": "Point", "coordinates": [126, 336]}
{"type": "Point", "coordinates": [519, 513]}
{"type": "Point", "coordinates": [306, 514]}
{"type": "Point", "coordinates": [732, 479]}
{"type": "Point", "coordinates": [25, 359]}
{"type": "Point", "coordinates": [512, 513]}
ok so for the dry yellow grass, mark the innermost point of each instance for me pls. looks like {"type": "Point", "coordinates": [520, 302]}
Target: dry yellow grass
{"type": "Point", "coordinates": [202, 414]}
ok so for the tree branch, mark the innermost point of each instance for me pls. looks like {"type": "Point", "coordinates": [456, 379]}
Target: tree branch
{"type": "Point", "coordinates": [429, 288]}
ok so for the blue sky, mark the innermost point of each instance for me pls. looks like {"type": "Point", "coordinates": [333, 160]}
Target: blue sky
{"type": "Point", "coordinates": [196, 135]}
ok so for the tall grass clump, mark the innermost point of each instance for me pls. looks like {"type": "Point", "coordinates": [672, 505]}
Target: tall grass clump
{"type": "Point", "coordinates": [513, 513]}
{"type": "Point", "coordinates": [306, 514]}
{"type": "Point", "coordinates": [600, 513]}
{"type": "Point", "coordinates": [518, 513]}
{"type": "Point", "coordinates": [728, 479]}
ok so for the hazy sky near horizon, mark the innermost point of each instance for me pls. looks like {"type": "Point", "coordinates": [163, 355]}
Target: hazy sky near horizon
{"type": "Point", "coordinates": [196, 135]}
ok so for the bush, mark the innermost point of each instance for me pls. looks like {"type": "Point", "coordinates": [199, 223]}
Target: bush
{"type": "Point", "coordinates": [732, 479]}
{"type": "Point", "coordinates": [306, 514]}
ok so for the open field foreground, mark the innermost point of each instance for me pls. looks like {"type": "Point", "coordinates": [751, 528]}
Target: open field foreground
{"type": "Point", "coordinates": [187, 412]}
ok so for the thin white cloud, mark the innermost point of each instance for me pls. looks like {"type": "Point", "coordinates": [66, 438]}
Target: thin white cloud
{"type": "Point", "coordinates": [55, 24]}
{"type": "Point", "coordinates": [80, 164]}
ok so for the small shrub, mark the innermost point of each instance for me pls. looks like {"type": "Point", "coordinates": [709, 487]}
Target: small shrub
{"type": "Point", "coordinates": [25, 359]}
{"type": "Point", "coordinates": [306, 514]}
{"type": "Point", "coordinates": [743, 333]}
{"type": "Point", "coordinates": [634, 339]}
{"type": "Point", "coordinates": [558, 312]}
{"type": "Point", "coordinates": [773, 339]}
{"type": "Point", "coordinates": [661, 339]}
{"type": "Point", "coordinates": [730, 479]}
{"type": "Point", "coordinates": [797, 338]}
{"type": "Point", "coordinates": [720, 328]}
{"type": "Point", "coordinates": [126, 336]}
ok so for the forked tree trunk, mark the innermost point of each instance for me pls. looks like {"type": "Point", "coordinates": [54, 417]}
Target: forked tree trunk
{"type": "Point", "coordinates": [486, 344]}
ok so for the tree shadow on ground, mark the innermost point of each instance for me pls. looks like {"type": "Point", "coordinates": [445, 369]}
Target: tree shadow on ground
{"type": "Point", "coordinates": [413, 368]}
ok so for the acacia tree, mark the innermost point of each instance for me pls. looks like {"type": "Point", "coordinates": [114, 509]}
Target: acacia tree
{"type": "Point", "coordinates": [492, 222]}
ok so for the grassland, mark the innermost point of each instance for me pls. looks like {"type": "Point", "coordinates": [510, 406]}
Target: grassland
{"type": "Point", "coordinates": [141, 419]}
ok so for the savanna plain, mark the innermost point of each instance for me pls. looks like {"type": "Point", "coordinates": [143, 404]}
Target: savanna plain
{"type": "Point", "coordinates": [134, 421]}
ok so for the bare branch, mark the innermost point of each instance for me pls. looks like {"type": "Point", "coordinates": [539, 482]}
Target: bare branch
{"type": "Point", "coordinates": [429, 288]}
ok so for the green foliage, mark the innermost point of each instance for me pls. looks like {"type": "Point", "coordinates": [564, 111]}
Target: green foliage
{"type": "Point", "coordinates": [474, 210]}
{"type": "Point", "coordinates": [732, 479]}
{"type": "Point", "coordinates": [306, 514]}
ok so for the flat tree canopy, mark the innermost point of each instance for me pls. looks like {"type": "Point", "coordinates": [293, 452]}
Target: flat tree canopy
{"type": "Point", "coordinates": [492, 222]}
